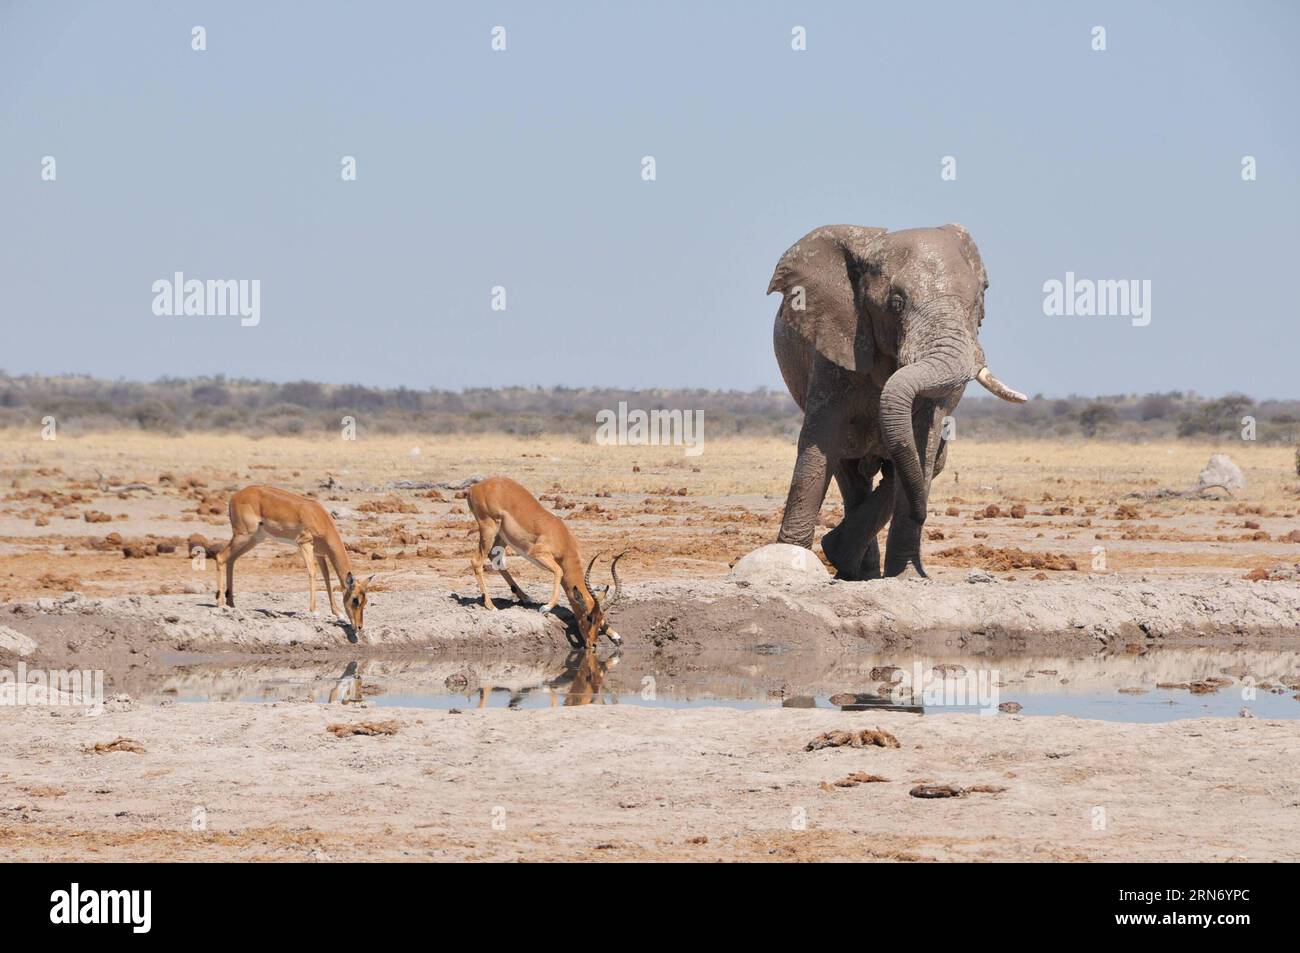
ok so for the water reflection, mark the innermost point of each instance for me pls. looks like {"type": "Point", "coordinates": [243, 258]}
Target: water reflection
{"type": "Point", "coordinates": [1160, 684]}
{"type": "Point", "coordinates": [579, 682]}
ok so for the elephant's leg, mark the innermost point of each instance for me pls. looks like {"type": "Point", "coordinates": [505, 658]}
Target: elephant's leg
{"type": "Point", "coordinates": [903, 545]}
{"type": "Point", "coordinates": [871, 561]}
{"type": "Point", "coordinates": [840, 544]}
{"type": "Point", "coordinates": [812, 477]}
{"type": "Point", "coordinates": [857, 544]}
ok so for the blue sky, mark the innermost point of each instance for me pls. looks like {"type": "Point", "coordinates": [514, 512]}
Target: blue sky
{"type": "Point", "coordinates": [523, 169]}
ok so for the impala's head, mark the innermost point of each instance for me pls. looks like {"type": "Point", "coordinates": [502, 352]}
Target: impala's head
{"type": "Point", "coordinates": [590, 607]}
{"type": "Point", "coordinates": [354, 600]}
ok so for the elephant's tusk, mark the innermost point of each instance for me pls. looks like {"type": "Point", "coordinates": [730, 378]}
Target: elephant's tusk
{"type": "Point", "coordinates": [995, 386]}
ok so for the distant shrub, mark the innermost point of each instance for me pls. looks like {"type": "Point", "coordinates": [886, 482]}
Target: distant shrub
{"type": "Point", "coordinates": [84, 404]}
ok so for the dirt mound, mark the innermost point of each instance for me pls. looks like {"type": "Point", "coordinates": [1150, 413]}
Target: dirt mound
{"type": "Point", "coordinates": [1005, 558]}
{"type": "Point", "coordinates": [862, 738]}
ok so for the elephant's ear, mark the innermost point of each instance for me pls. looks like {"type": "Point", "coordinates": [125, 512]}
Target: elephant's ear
{"type": "Point", "coordinates": [970, 252]}
{"type": "Point", "coordinates": [818, 278]}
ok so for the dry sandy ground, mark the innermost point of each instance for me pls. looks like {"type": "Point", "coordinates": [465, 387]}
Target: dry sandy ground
{"type": "Point", "coordinates": [681, 618]}
{"type": "Point", "coordinates": [681, 516]}
{"type": "Point", "coordinates": [96, 574]}
{"type": "Point", "coordinates": [1076, 549]}
{"type": "Point", "coordinates": [617, 783]}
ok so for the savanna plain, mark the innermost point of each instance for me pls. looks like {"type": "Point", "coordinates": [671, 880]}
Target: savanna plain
{"type": "Point", "coordinates": [1141, 636]}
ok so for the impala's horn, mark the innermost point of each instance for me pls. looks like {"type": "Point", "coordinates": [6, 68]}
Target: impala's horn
{"type": "Point", "coordinates": [586, 578]}
{"type": "Point", "coordinates": [618, 583]}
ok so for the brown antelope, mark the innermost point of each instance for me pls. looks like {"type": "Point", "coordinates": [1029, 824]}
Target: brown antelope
{"type": "Point", "coordinates": [257, 512]}
{"type": "Point", "coordinates": [507, 514]}
{"type": "Point", "coordinates": [579, 681]}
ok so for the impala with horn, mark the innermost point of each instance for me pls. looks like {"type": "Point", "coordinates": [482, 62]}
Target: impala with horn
{"type": "Point", "coordinates": [509, 516]}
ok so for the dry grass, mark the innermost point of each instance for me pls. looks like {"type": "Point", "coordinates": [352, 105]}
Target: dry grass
{"type": "Point", "coordinates": [1021, 469]}
{"type": "Point", "coordinates": [682, 515]}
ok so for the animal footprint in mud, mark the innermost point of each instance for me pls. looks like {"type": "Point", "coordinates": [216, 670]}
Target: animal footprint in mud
{"type": "Point", "coordinates": [864, 738]}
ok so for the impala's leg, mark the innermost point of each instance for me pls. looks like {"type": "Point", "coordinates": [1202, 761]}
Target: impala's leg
{"type": "Point", "coordinates": [487, 533]}
{"type": "Point", "coordinates": [548, 561]}
{"type": "Point", "coordinates": [499, 546]}
{"type": "Point", "coordinates": [309, 560]}
{"type": "Point", "coordinates": [239, 544]}
{"type": "Point", "coordinates": [324, 565]}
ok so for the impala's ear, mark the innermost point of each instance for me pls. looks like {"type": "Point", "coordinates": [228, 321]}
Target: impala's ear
{"type": "Point", "coordinates": [577, 597]}
{"type": "Point", "coordinates": [819, 278]}
{"type": "Point", "coordinates": [350, 581]}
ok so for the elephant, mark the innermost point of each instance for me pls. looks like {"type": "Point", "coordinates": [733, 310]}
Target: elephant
{"type": "Point", "coordinates": [876, 338]}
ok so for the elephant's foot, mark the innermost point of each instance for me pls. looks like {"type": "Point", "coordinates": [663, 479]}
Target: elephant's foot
{"type": "Point", "coordinates": [871, 563]}
{"type": "Point", "coordinates": [844, 556]}
{"type": "Point", "coordinates": [911, 569]}
{"type": "Point", "coordinates": [903, 548]}
{"type": "Point", "coordinates": [854, 559]}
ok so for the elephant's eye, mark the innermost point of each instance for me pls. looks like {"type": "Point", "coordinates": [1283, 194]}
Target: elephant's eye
{"type": "Point", "coordinates": [896, 304]}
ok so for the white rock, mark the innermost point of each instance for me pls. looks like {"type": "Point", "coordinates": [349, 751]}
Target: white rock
{"type": "Point", "coordinates": [15, 642]}
{"type": "Point", "coordinates": [1221, 471]}
{"type": "Point", "coordinates": [779, 562]}
{"type": "Point", "coordinates": [979, 575]}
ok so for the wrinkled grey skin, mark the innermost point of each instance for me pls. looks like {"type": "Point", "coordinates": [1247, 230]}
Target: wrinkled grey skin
{"type": "Point", "coordinates": [879, 354]}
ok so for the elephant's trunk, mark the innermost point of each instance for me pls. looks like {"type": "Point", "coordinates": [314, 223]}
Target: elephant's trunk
{"type": "Point", "coordinates": [943, 369]}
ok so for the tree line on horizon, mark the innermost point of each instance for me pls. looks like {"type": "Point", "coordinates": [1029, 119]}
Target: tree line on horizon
{"type": "Point", "coordinates": [264, 408]}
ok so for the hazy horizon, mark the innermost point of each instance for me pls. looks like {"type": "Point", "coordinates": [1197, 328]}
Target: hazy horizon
{"type": "Point", "coordinates": [973, 391]}
{"type": "Point", "coordinates": [521, 169]}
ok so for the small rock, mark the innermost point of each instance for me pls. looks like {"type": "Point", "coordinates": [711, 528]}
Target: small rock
{"type": "Point", "coordinates": [15, 642]}
{"type": "Point", "coordinates": [979, 575]}
{"type": "Point", "coordinates": [1221, 471]}
{"type": "Point", "coordinates": [779, 562]}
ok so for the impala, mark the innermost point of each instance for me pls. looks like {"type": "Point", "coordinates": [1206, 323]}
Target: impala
{"type": "Point", "coordinates": [257, 512]}
{"type": "Point", "coordinates": [508, 515]}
